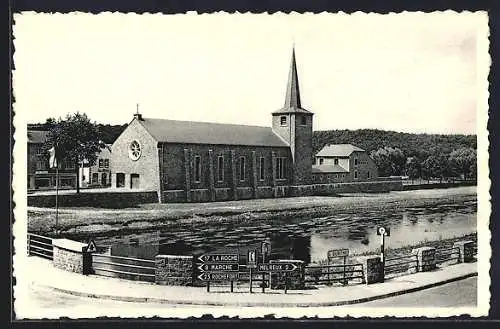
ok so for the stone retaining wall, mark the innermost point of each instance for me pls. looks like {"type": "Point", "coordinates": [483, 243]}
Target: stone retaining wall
{"type": "Point", "coordinates": [94, 199]}
{"type": "Point", "coordinates": [174, 270]}
{"type": "Point", "coordinates": [264, 192]}
{"type": "Point", "coordinates": [71, 256]}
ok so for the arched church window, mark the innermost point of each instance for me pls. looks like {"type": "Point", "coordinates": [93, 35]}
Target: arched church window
{"type": "Point", "coordinates": [134, 151]}
{"type": "Point", "coordinates": [283, 120]}
{"type": "Point", "coordinates": [303, 120]}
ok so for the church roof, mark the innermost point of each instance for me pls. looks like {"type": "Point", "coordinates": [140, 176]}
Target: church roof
{"type": "Point", "coordinates": [192, 132]}
{"type": "Point", "coordinates": [328, 169]}
{"type": "Point", "coordinates": [338, 150]}
{"type": "Point", "coordinates": [292, 98]}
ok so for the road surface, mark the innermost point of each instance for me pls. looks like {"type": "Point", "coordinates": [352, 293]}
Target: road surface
{"type": "Point", "coordinates": [46, 302]}
{"type": "Point", "coordinates": [455, 294]}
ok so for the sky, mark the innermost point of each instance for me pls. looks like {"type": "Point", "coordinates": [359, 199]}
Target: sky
{"type": "Point", "coordinates": [410, 72]}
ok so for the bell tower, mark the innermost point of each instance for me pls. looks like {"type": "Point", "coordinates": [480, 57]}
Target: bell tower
{"type": "Point", "coordinates": [294, 124]}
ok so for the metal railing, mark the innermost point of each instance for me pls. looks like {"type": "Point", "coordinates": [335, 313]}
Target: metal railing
{"type": "Point", "coordinates": [39, 245]}
{"type": "Point", "coordinates": [124, 267]}
{"type": "Point", "coordinates": [401, 264]}
{"type": "Point", "coordinates": [333, 273]}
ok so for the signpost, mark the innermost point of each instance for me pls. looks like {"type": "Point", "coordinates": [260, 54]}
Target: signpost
{"type": "Point", "coordinates": [219, 258]}
{"type": "Point", "coordinates": [219, 267]}
{"type": "Point", "coordinates": [336, 253]}
{"type": "Point", "coordinates": [383, 232]}
{"type": "Point", "coordinates": [91, 247]}
{"type": "Point", "coordinates": [221, 276]}
{"type": "Point", "coordinates": [251, 264]}
{"type": "Point", "coordinates": [277, 267]}
{"type": "Point", "coordinates": [281, 267]}
{"type": "Point", "coordinates": [266, 255]}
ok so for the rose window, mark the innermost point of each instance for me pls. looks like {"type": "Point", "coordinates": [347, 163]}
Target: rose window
{"type": "Point", "coordinates": [134, 151]}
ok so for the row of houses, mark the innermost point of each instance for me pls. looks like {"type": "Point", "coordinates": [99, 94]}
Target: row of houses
{"type": "Point", "coordinates": [41, 176]}
{"type": "Point", "coordinates": [211, 161]}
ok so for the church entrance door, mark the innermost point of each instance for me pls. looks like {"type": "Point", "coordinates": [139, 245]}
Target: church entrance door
{"type": "Point", "coordinates": [134, 180]}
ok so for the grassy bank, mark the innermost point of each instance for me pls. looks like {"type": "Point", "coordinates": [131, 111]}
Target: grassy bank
{"type": "Point", "coordinates": [78, 221]}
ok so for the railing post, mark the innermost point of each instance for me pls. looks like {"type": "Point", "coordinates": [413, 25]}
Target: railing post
{"type": "Point", "coordinates": [286, 282]}
{"type": "Point", "coordinates": [251, 282]}
{"type": "Point", "coordinates": [343, 272]}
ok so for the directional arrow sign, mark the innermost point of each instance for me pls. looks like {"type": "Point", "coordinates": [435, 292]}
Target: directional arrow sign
{"type": "Point", "coordinates": [338, 253]}
{"type": "Point", "coordinates": [219, 258]}
{"type": "Point", "coordinates": [224, 276]}
{"type": "Point", "coordinates": [219, 267]}
{"type": "Point", "coordinates": [281, 267]}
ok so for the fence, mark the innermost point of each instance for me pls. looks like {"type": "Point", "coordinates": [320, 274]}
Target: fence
{"type": "Point", "coordinates": [144, 269]}
{"type": "Point", "coordinates": [124, 267]}
{"type": "Point", "coordinates": [409, 263]}
{"type": "Point", "coordinates": [39, 245]}
{"type": "Point", "coordinates": [401, 264]}
{"type": "Point", "coordinates": [333, 273]}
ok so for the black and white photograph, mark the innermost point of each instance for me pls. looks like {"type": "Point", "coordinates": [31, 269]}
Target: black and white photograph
{"type": "Point", "coordinates": [236, 164]}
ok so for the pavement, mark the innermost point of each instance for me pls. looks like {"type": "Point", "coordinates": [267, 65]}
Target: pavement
{"type": "Point", "coordinates": [132, 291]}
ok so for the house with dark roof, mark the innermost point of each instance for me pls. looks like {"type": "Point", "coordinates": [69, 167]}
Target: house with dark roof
{"type": "Point", "coordinates": [98, 174]}
{"type": "Point", "coordinates": [40, 175]}
{"type": "Point", "coordinates": [187, 161]}
{"type": "Point", "coordinates": [339, 163]}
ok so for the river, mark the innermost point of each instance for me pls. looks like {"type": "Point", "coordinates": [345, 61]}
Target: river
{"type": "Point", "coordinates": [308, 237]}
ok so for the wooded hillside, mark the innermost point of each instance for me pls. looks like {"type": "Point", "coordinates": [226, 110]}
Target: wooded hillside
{"type": "Point", "coordinates": [415, 155]}
{"type": "Point", "coordinates": [419, 145]}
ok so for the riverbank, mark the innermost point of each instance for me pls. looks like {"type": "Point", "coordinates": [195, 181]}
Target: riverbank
{"type": "Point", "coordinates": [77, 222]}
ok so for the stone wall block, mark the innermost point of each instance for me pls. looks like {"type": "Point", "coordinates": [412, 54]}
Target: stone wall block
{"type": "Point", "coordinates": [174, 270]}
{"type": "Point", "coordinates": [426, 258]}
{"type": "Point", "coordinates": [371, 268]}
{"type": "Point", "coordinates": [466, 251]}
{"type": "Point", "coordinates": [71, 256]}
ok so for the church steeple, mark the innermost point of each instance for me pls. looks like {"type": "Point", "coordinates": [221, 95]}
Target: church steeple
{"type": "Point", "coordinates": [292, 99]}
{"type": "Point", "coordinates": [294, 125]}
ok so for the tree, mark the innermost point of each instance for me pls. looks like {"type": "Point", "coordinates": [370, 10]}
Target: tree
{"type": "Point", "coordinates": [437, 166]}
{"type": "Point", "coordinates": [75, 139]}
{"type": "Point", "coordinates": [398, 161]}
{"type": "Point", "coordinates": [413, 168]}
{"type": "Point", "coordinates": [381, 159]}
{"type": "Point", "coordinates": [464, 161]}
{"type": "Point", "coordinates": [390, 161]}
{"type": "Point", "coordinates": [430, 167]}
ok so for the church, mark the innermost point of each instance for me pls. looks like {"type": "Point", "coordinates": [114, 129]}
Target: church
{"type": "Point", "coordinates": [186, 161]}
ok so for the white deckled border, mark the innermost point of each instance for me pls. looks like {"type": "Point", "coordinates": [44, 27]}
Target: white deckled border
{"type": "Point", "coordinates": [483, 213]}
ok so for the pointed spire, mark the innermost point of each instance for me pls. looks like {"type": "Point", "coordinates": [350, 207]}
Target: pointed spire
{"type": "Point", "coordinates": [292, 99]}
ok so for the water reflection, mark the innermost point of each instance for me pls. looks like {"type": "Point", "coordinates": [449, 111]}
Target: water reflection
{"type": "Point", "coordinates": [307, 239]}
